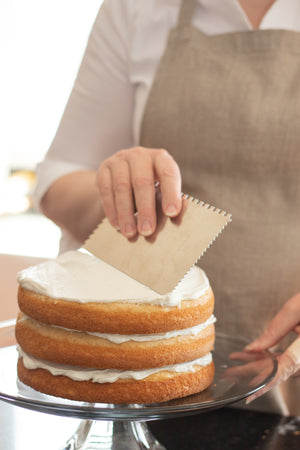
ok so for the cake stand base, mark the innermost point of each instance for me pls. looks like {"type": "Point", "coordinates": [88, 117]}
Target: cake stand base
{"type": "Point", "coordinates": [112, 435]}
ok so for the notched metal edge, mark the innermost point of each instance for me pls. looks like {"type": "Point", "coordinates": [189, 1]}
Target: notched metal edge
{"type": "Point", "coordinates": [203, 204]}
{"type": "Point", "coordinates": [218, 211]}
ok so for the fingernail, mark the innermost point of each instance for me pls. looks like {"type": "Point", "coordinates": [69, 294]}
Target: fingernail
{"type": "Point", "coordinates": [171, 210]}
{"type": "Point", "coordinates": [129, 230]}
{"type": "Point", "coordinates": [146, 229]}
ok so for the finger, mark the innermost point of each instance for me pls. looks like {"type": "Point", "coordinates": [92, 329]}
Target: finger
{"type": "Point", "coordinates": [104, 183]}
{"type": "Point", "coordinates": [247, 356]}
{"type": "Point", "coordinates": [143, 182]}
{"type": "Point", "coordinates": [168, 174]}
{"type": "Point", "coordinates": [286, 368]}
{"type": "Point", "coordinates": [260, 378]}
{"type": "Point", "coordinates": [246, 370]}
{"type": "Point", "coordinates": [294, 352]}
{"type": "Point", "coordinates": [286, 320]}
{"type": "Point", "coordinates": [121, 182]}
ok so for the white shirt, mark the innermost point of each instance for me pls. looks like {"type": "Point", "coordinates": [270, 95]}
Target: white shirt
{"type": "Point", "coordinates": [106, 105]}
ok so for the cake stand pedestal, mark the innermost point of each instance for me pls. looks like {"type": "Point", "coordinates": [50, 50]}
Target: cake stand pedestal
{"type": "Point", "coordinates": [123, 427]}
{"type": "Point", "coordinates": [112, 435]}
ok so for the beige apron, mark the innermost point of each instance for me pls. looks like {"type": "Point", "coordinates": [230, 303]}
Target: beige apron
{"type": "Point", "coordinates": [227, 107]}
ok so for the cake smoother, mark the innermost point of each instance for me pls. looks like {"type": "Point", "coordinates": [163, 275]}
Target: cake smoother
{"type": "Point", "coordinates": [161, 260]}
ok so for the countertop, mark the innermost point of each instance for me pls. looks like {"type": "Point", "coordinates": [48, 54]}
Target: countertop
{"type": "Point", "coordinates": [223, 429]}
{"type": "Point", "coordinates": [229, 429]}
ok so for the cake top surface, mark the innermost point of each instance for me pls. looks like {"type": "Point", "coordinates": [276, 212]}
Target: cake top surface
{"type": "Point", "coordinates": [80, 276]}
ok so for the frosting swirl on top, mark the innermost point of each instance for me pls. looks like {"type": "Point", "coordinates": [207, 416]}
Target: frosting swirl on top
{"type": "Point", "coordinates": [81, 277]}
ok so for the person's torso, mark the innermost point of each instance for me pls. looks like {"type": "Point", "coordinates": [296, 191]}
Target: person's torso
{"type": "Point", "coordinates": [227, 108]}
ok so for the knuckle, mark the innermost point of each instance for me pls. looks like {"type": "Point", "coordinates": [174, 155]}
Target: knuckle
{"type": "Point", "coordinates": [169, 171]}
{"type": "Point", "coordinates": [121, 154]}
{"type": "Point", "coordinates": [138, 149]}
{"type": "Point", "coordinates": [122, 186]}
{"type": "Point", "coordinates": [136, 152]}
{"type": "Point", "coordinates": [142, 182]}
{"type": "Point", "coordinates": [163, 153]}
{"type": "Point", "coordinates": [125, 212]}
{"type": "Point", "coordinates": [123, 216]}
{"type": "Point", "coordinates": [166, 164]}
{"type": "Point", "coordinates": [116, 159]}
{"type": "Point", "coordinates": [145, 213]}
{"type": "Point", "coordinates": [106, 163]}
{"type": "Point", "coordinates": [105, 189]}
{"type": "Point", "coordinates": [129, 153]}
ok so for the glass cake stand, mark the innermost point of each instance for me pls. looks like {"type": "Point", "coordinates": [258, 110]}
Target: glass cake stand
{"type": "Point", "coordinates": [123, 427]}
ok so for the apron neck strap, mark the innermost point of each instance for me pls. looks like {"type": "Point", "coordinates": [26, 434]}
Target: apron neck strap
{"type": "Point", "coordinates": [186, 12]}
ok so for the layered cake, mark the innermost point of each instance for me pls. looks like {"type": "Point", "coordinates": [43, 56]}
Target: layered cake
{"type": "Point", "coordinates": [88, 332]}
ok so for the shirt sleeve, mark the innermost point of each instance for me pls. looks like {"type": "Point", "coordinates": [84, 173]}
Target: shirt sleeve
{"type": "Point", "coordinates": [97, 120]}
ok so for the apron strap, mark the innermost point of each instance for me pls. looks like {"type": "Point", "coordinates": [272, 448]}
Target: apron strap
{"type": "Point", "coordinates": [186, 12]}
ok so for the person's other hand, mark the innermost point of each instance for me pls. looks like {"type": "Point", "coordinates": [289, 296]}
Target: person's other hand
{"type": "Point", "coordinates": [126, 182]}
{"type": "Point", "coordinates": [286, 320]}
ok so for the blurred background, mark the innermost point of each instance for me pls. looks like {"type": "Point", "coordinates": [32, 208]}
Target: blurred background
{"type": "Point", "coordinates": [41, 46]}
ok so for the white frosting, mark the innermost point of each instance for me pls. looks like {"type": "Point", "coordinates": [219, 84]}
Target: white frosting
{"type": "Point", "coordinates": [120, 338]}
{"type": "Point", "coordinates": [109, 375]}
{"type": "Point", "coordinates": [81, 277]}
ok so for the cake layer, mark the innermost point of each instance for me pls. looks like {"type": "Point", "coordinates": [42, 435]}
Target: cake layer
{"type": "Point", "coordinates": [81, 349]}
{"type": "Point", "coordinates": [116, 317]}
{"type": "Point", "coordinates": [159, 387]}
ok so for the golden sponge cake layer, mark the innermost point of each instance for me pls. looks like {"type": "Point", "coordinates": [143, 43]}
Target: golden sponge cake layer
{"type": "Point", "coordinates": [159, 387]}
{"type": "Point", "coordinates": [116, 317]}
{"type": "Point", "coordinates": [82, 349]}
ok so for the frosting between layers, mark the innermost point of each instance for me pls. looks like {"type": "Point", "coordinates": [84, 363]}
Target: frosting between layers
{"type": "Point", "coordinates": [81, 277]}
{"type": "Point", "coordinates": [120, 338]}
{"type": "Point", "coordinates": [109, 375]}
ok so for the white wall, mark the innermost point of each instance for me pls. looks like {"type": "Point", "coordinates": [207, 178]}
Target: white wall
{"type": "Point", "coordinates": [41, 45]}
